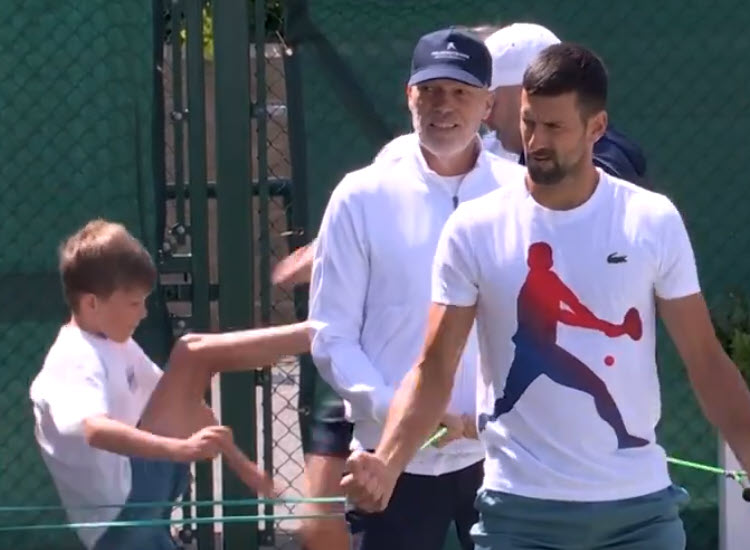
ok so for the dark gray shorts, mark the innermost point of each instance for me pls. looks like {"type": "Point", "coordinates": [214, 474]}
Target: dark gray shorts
{"type": "Point", "coordinates": [649, 522]}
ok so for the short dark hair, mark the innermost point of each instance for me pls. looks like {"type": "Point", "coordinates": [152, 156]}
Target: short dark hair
{"type": "Point", "coordinates": [103, 257]}
{"type": "Point", "coordinates": [568, 67]}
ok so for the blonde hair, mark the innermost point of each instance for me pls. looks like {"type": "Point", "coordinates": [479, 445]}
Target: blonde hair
{"type": "Point", "coordinates": [103, 257]}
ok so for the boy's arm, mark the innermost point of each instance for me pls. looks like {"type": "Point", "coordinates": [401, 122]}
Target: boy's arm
{"type": "Point", "coordinates": [117, 437]}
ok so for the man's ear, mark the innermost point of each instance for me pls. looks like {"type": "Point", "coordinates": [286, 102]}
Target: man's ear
{"type": "Point", "coordinates": [409, 93]}
{"type": "Point", "coordinates": [490, 103]}
{"type": "Point", "coordinates": [598, 125]}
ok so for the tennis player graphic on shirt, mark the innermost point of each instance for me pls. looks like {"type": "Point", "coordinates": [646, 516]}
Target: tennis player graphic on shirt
{"type": "Point", "coordinates": [543, 301]}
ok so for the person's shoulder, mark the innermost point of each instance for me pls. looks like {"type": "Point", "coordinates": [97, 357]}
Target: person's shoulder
{"type": "Point", "coordinates": [398, 148]}
{"type": "Point", "coordinates": [641, 201]}
{"type": "Point", "coordinates": [354, 184]}
{"type": "Point", "coordinates": [504, 170]}
{"type": "Point", "coordinates": [621, 157]}
{"type": "Point", "coordinates": [72, 344]}
{"type": "Point", "coordinates": [70, 350]}
{"type": "Point", "coordinates": [360, 183]}
{"type": "Point", "coordinates": [491, 208]}
{"type": "Point", "coordinates": [374, 178]}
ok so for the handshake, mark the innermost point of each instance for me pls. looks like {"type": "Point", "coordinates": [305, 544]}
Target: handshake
{"type": "Point", "coordinates": [370, 481]}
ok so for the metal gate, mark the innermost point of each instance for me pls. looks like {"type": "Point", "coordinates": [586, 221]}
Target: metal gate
{"type": "Point", "coordinates": [229, 193]}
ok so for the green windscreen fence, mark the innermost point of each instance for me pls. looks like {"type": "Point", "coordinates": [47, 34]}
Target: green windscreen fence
{"type": "Point", "coordinates": [76, 113]}
{"type": "Point", "coordinates": [678, 71]}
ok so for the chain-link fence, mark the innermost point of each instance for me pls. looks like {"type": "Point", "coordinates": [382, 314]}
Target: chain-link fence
{"type": "Point", "coordinates": [676, 71]}
{"type": "Point", "coordinates": [76, 97]}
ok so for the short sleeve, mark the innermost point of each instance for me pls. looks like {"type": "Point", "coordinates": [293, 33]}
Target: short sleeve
{"type": "Point", "coordinates": [455, 270]}
{"type": "Point", "coordinates": [149, 373]}
{"type": "Point", "coordinates": [80, 394]}
{"type": "Point", "coordinates": [677, 274]}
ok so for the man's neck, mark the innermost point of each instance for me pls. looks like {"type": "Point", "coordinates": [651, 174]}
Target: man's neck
{"type": "Point", "coordinates": [571, 192]}
{"type": "Point", "coordinates": [453, 165]}
{"type": "Point", "coordinates": [512, 146]}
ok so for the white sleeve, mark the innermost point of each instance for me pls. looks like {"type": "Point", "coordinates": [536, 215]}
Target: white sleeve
{"type": "Point", "coordinates": [80, 394]}
{"type": "Point", "coordinates": [677, 274]}
{"type": "Point", "coordinates": [149, 372]}
{"type": "Point", "coordinates": [338, 288]}
{"type": "Point", "coordinates": [455, 271]}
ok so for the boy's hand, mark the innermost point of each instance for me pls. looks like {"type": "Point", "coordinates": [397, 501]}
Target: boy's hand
{"type": "Point", "coordinates": [204, 444]}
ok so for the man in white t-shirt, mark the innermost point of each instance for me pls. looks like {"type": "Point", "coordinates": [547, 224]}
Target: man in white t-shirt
{"type": "Point", "coordinates": [564, 271]}
{"type": "Point", "coordinates": [113, 429]}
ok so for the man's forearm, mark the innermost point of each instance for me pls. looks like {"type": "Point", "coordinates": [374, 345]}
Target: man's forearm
{"type": "Point", "coordinates": [725, 399]}
{"type": "Point", "coordinates": [417, 407]}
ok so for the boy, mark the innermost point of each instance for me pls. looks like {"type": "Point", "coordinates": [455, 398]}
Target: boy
{"type": "Point", "coordinates": [112, 428]}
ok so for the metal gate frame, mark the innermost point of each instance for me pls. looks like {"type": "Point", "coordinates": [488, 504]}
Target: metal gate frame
{"type": "Point", "coordinates": [242, 181]}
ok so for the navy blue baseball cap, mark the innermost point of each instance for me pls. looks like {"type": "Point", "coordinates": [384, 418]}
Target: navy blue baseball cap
{"type": "Point", "coordinates": [454, 54]}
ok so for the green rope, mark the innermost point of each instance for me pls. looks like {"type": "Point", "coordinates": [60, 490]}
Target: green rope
{"type": "Point", "coordinates": [176, 504]}
{"type": "Point", "coordinates": [160, 522]}
{"type": "Point", "coordinates": [737, 475]}
{"type": "Point", "coordinates": [734, 474]}
{"type": "Point", "coordinates": [437, 435]}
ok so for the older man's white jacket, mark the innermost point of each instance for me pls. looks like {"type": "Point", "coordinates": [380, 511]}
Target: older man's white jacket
{"type": "Point", "coordinates": [370, 288]}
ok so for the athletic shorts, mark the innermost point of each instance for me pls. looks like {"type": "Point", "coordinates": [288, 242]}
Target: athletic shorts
{"type": "Point", "coordinates": [152, 481]}
{"type": "Point", "coordinates": [648, 522]}
{"type": "Point", "coordinates": [325, 430]}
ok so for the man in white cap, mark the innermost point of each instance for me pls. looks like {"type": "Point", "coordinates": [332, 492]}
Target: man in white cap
{"type": "Point", "coordinates": [513, 48]}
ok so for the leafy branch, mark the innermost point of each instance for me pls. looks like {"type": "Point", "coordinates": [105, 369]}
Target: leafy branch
{"type": "Point", "coordinates": [731, 319]}
{"type": "Point", "coordinates": [274, 23]}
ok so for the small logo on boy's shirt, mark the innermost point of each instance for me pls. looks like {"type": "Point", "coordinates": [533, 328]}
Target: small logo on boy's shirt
{"type": "Point", "coordinates": [130, 374]}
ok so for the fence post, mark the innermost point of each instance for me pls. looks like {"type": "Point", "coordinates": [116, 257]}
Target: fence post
{"type": "Point", "coordinates": [235, 240]}
{"type": "Point", "coordinates": [198, 188]}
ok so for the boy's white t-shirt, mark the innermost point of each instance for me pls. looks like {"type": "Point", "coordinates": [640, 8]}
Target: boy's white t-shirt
{"type": "Point", "coordinates": [86, 375]}
{"type": "Point", "coordinates": [619, 250]}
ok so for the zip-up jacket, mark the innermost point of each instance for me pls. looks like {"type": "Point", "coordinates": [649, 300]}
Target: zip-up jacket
{"type": "Point", "coordinates": [370, 288]}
